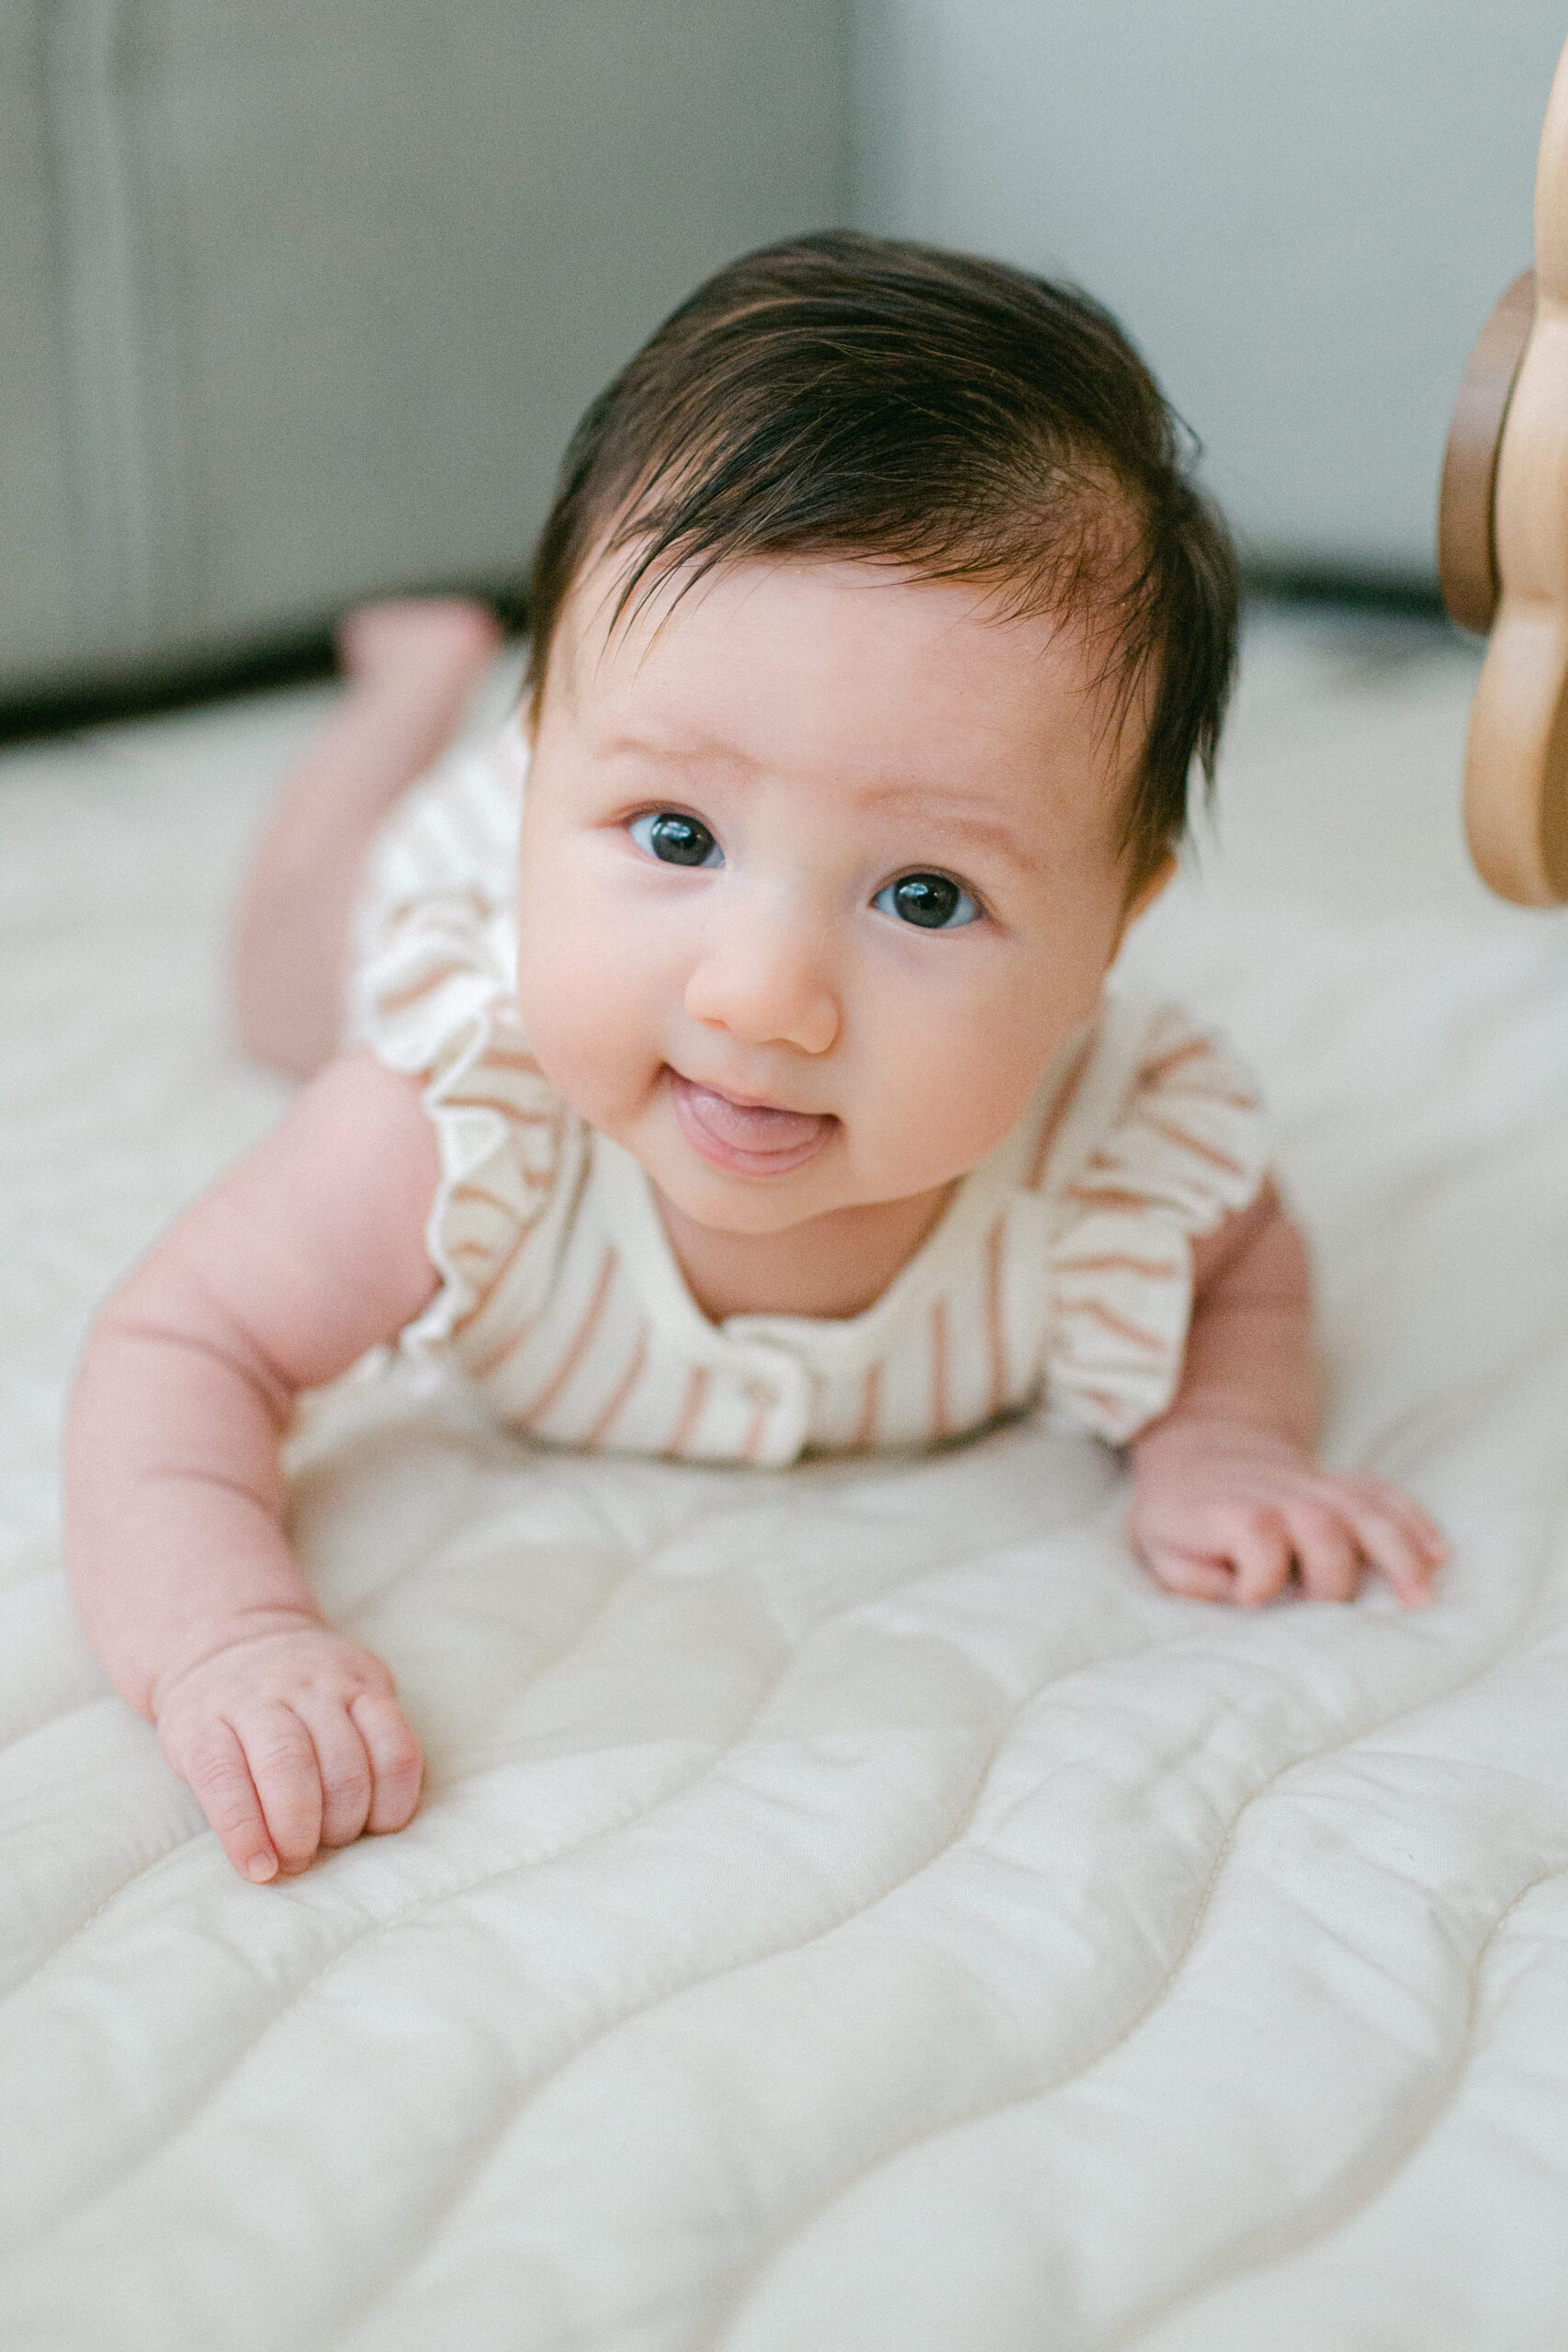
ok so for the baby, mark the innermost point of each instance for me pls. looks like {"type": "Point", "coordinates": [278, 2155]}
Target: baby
{"type": "Point", "coordinates": [764, 1093]}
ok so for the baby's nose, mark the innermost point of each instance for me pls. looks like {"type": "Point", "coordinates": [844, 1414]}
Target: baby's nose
{"type": "Point", "coordinates": [765, 978]}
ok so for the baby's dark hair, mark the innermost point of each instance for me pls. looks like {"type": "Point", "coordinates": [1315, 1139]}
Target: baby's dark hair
{"type": "Point", "coordinates": [849, 396]}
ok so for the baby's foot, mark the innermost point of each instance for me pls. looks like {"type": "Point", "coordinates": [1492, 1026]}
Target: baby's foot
{"type": "Point", "coordinates": [438, 645]}
{"type": "Point", "coordinates": [413, 666]}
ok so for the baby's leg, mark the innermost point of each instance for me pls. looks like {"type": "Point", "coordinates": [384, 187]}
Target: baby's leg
{"type": "Point", "coordinates": [410, 668]}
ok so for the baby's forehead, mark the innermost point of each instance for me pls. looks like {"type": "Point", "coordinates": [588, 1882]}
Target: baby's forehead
{"type": "Point", "coordinates": [617, 623]}
{"type": "Point", "coordinates": [880, 695]}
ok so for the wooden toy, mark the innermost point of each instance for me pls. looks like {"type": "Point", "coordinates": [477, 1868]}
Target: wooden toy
{"type": "Point", "coordinates": [1503, 552]}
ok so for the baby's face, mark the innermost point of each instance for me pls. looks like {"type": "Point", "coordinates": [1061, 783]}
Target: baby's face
{"type": "Point", "coordinates": [818, 873]}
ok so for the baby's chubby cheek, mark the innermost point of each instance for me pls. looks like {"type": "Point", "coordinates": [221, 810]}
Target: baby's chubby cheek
{"type": "Point", "coordinates": [591, 1028]}
{"type": "Point", "coordinates": [957, 1104]}
{"type": "Point", "coordinates": [938, 1085]}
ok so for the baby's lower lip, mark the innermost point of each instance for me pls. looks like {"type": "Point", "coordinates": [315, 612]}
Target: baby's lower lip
{"type": "Point", "coordinates": [747, 1138]}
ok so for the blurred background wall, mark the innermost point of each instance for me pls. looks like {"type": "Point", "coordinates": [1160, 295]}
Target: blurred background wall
{"type": "Point", "coordinates": [1301, 214]}
{"type": "Point", "coordinates": [299, 299]}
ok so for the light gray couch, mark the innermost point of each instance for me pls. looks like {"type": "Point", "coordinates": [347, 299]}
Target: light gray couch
{"type": "Point", "coordinates": [299, 299]}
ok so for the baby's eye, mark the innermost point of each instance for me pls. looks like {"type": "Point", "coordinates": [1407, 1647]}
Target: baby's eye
{"type": "Point", "coordinates": [679, 841]}
{"type": "Point", "coordinates": [933, 900]}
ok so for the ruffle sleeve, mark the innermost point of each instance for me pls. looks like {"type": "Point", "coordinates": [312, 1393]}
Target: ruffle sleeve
{"type": "Point", "coordinates": [1187, 1149]}
{"type": "Point", "coordinates": [433, 995]}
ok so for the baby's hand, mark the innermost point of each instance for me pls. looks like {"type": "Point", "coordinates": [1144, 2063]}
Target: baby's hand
{"type": "Point", "coordinates": [1222, 1511]}
{"type": "Point", "coordinates": [291, 1740]}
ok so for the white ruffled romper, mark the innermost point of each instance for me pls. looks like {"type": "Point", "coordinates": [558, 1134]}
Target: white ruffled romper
{"type": "Point", "coordinates": [1061, 1268]}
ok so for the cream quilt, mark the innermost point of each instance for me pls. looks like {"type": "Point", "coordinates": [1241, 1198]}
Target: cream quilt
{"type": "Point", "coordinates": [853, 1910]}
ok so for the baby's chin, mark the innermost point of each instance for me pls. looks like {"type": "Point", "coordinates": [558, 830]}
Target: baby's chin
{"type": "Point", "coordinates": [811, 1202]}
{"type": "Point", "coordinates": [739, 1205]}
{"type": "Point", "coordinates": [720, 1201]}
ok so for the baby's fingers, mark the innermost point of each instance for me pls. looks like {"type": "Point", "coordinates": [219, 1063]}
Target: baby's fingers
{"type": "Point", "coordinates": [282, 1757]}
{"type": "Point", "coordinates": [1259, 1543]}
{"type": "Point", "coordinates": [344, 1768]}
{"type": "Point", "coordinates": [214, 1764]}
{"type": "Point", "coordinates": [1399, 1540]}
{"type": "Point", "coordinates": [1328, 1553]}
{"type": "Point", "coordinates": [1392, 1502]}
{"type": "Point", "coordinates": [397, 1767]}
{"type": "Point", "coordinates": [1191, 1573]}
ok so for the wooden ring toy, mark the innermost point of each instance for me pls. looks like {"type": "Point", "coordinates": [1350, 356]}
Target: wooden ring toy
{"type": "Point", "coordinates": [1503, 552]}
{"type": "Point", "coordinates": [1467, 545]}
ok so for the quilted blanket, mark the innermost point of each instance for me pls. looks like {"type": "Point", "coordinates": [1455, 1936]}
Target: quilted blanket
{"type": "Point", "coordinates": [853, 1910]}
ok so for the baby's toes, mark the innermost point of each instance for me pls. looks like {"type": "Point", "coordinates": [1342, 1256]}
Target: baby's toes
{"type": "Point", "coordinates": [443, 635]}
{"type": "Point", "coordinates": [1328, 1554]}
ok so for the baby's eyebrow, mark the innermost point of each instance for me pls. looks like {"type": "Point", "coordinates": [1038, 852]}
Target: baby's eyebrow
{"type": "Point", "coordinates": [684, 751]}
{"type": "Point", "coordinates": [952, 815]}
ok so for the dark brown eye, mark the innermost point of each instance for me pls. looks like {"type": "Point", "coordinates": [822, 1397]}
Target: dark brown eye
{"type": "Point", "coordinates": [933, 901]}
{"type": "Point", "coordinates": [677, 840]}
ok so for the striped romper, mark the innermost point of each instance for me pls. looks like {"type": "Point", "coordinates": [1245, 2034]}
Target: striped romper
{"type": "Point", "coordinates": [1060, 1270]}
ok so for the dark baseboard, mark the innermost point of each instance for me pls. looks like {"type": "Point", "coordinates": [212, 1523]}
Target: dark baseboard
{"type": "Point", "coordinates": [293, 657]}
{"type": "Point", "coordinates": [1412, 594]}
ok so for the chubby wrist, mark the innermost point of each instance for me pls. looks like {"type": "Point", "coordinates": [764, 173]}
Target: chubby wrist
{"type": "Point", "coordinates": [1215, 1428]}
{"type": "Point", "coordinates": [200, 1643]}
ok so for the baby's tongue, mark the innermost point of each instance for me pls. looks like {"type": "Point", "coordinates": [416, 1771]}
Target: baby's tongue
{"type": "Point", "coordinates": [751, 1127]}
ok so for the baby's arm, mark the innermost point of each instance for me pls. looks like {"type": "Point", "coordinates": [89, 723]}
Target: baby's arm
{"type": "Point", "coordinates": [308, 1252]}
{"type": "Point", "coordinates": [1227, 1497]}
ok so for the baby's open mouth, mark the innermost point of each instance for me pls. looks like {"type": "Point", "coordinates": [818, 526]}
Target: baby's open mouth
{"type": "Point", "coordinates": [749, 1138]}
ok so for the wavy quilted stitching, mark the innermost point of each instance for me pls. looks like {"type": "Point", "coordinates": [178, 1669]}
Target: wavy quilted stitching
{"type": "Point", "coordinates": [435, 2222]}
{"type": "Point", "coordinates": [713, 2340]}
{"type": "Point", "coordinates": [295, 1993]}
{"type": "Point", "coordinates": [946, 1846]}
{"type": "Point", "coordinates": [1334, 2211]}
{"type": "Point", "coordinates": [140, 1869]}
